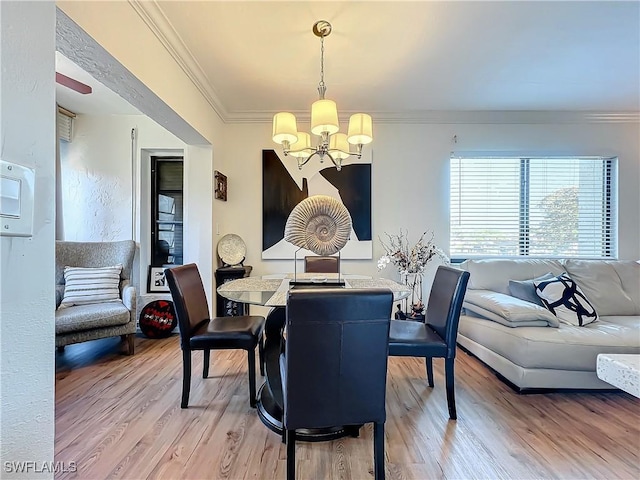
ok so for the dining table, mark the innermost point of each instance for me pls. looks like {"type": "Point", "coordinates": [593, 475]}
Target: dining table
{"type": "Point", "coordinates": [271, 291]}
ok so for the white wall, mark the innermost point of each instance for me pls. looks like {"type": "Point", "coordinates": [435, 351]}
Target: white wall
{"type": "Point", "coordinates": [410, 176]}
{"type": "Point", "coordinates": [27, 136]}
{"type": "Point", "coordinates": [97, 187]}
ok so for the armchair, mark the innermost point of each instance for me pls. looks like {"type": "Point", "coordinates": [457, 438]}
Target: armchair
{"type": "Point", "coordinates": [80, 323]}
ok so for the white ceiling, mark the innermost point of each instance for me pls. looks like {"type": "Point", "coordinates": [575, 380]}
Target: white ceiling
{"type": "Point", "coordinates": [251, 59]}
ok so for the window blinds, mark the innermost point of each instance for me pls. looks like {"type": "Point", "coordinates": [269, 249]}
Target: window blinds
{"type": "Point", "coordinates": [543, 207]}
{"type": "Point", "coordinates": [65, 124]}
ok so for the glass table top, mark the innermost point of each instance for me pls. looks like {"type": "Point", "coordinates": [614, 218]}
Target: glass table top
{"type": "Point", "coordinates": [271, 290]}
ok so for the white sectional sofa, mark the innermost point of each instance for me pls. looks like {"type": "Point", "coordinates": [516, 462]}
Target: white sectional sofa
{"type": "Point", "coordinates": [526, 344]}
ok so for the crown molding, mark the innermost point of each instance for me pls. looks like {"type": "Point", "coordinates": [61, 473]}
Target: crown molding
{"type": "Point", "coordinates": [156, 20]}
{"type": "Point", "coordinates": [462, 117]}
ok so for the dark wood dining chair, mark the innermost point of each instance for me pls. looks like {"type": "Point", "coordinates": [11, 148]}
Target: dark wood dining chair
{"type": "Point", "coordinates": [334, 365]}
{"type": "Point", "coordinates": [198, 331]}
{"type": "Point", "coordinates": [321, 264]}
{"type": "Point", "coordinates": [436, 337]}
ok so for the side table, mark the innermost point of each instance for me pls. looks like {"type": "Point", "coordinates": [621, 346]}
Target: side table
{"type": "Point", "coordinates": [224, 306]}
{"type": "Point", "coordinates": [620, 370]}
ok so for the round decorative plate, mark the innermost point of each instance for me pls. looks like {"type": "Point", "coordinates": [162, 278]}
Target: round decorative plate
{"type": "Point", "coordinates": [231, 249]}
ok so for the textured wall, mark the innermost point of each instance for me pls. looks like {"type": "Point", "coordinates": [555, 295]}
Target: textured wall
{"type": "Point", "coordinates": [27, 133]}
{"type": "Point", "coordinates": [97, 189]}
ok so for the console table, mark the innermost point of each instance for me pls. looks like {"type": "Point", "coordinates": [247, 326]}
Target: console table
{"type": "Point", "coordinates": [226, 307]}
{"type": "Point", "coordinates": [622, 371]}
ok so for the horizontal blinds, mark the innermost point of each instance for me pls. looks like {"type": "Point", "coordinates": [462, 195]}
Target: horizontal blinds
{"type": "Point", "coordinates": [64, 122]}
{"type": "Point", "coordinates": [546, 207]}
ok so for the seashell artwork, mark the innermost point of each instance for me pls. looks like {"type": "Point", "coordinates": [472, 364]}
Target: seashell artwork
{"type": "Point", "coordinates": [319, 223]}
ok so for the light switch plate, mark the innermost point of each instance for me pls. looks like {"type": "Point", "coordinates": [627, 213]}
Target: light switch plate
{"type": "Point", "coordinates": [16, 200]}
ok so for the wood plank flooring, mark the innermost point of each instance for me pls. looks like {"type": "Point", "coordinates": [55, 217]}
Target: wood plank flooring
{"type": "Point", "coordinates": [119, 417]}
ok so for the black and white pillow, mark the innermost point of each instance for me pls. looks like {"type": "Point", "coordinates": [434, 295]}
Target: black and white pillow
{"type": "Point", "coordinates": [562, 296]}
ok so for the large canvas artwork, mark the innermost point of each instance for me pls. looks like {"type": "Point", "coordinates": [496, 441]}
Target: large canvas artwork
{"type": "Point", "coordinates": [284, 186]}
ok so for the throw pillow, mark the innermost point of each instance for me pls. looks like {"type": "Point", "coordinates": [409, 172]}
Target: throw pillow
{"type": "Point", "coordinates": [526, 290]}
{"type": "Point", "coordinates": [91, 285]}
{"type": "Point", "coordinates": [562, 296]}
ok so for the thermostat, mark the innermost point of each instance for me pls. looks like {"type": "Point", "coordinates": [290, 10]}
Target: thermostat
{"type": "Point", "coordinates": [16, 200]}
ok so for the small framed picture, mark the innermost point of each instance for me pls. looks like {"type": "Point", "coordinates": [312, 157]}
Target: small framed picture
{"type": "Point", "coordinates": [220, 186]}
{"type": "Point", "coordinates": [157, 282]}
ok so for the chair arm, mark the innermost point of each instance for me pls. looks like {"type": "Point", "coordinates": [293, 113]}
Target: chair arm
{"type": "Point", "coordinates": [59, 294]}
{"type": "Point", "coordinates": [128, 293]}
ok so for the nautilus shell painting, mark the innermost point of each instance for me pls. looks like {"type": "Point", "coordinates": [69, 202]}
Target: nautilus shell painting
{"type": "Point", "coordinates": [320, 223]}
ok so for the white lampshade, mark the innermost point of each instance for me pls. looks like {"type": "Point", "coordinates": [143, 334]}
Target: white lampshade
{"type": "Point", "coordinates": [304, 141]}
{"type": "Point", "coordinates": [339, 141]}
{"type": "Point", "coordinates": [284, 128]}
{"type": "Point", "coordinates": [324, 117]}
{"type": "Point", "coordinates": [360, 129]}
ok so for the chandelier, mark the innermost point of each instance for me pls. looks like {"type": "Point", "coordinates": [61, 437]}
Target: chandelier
{"type": "Point", "coordinates": [324, 124]}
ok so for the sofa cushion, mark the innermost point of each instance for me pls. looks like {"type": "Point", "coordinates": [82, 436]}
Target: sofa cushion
{"type": "Point", "coordinates": [566, 300]}
{"type": "Point", "coordinates": [612, 287]}
{"type": "Point", "coordinates": [564, 348]}
{"type": "Point", "coordinates": [86, 317]}
{"type": "Point", "coordinates": [508, 310]}
{"type": "Point", "coordinates": [526, 290]}
{"type": "Point", "coordinates": [91, 285]}
{"type": "Point", "coordinates": [494, 274]}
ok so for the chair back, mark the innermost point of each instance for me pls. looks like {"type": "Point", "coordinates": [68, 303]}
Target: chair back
{"type": "Point", "coordinates": [189, 299]}
{"type": "Point", "coordinates": [94, 254]}
{"type": "Point", "coordinates": [321, 264]}
{"type": "Point", "coordinates": [334, 367]}
{"type": "Point", "coordinates": [445, 304]}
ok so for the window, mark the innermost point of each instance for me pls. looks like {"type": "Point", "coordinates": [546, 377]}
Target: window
{"type": "Point", "coordinates": [539, 207]}
{"type": "Point", "coordinates": [166, 208]}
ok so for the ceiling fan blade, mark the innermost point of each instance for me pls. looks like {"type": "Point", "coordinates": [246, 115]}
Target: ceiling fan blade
{"type": "Point", "coordinates": [73, 84]}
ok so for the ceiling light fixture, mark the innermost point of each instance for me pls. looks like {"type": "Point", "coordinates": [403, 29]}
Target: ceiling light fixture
{"type": "Point", "coordinates": [324, 123]}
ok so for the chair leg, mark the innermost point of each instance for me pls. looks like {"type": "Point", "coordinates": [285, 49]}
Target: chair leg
{"type": "Point", "coordinates": [429, 361]}
{"type": "Point", "coordinates": [291, 454]}
{"type": "Point", "coordinates": [205, 363]}
{"type": "Point", "coordinates": [131, 344]}
{"type": "Point", "coordinates": [251, 354]}
{"type": "Point", "coordinates": [186, 377]}
{"type": "Point", "coordinates": [451, 396]}
{"type": "Point", "coordinates": [261, 354]}
{"type": "Point", "coordinates": [378, 450]}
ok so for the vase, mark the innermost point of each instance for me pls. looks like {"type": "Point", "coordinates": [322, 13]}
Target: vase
{"type": "Point", "coordinates": [412, 305]}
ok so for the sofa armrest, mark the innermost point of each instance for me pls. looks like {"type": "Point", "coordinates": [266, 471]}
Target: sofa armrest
{"type": "Point", "coordinates": [128, 293]}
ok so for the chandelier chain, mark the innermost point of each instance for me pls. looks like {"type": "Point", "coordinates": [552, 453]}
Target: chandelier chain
{"type": "Point", "coordinates": [321, 84]}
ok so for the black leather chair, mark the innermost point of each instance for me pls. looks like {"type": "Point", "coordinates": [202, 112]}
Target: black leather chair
{"type": "Point", "coordinates": [436, 337]}
{"type": "Point", "coordinates": [334, 365]}
{"type": "Point", "coordinates": [321, 264]}
{"type": "Point", "coordinates": [199, 332]}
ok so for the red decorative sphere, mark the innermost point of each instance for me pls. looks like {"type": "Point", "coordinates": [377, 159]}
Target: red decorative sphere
{"type": "Point", "coordinates": [158, 319]}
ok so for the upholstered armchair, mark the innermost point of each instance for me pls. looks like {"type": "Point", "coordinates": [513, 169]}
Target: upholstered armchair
{"type": "Point", "coordinates": [98, 317]}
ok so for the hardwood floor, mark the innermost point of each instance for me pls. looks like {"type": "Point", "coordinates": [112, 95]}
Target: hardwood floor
{"type": "Point", "coordinates": [120, 417]}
